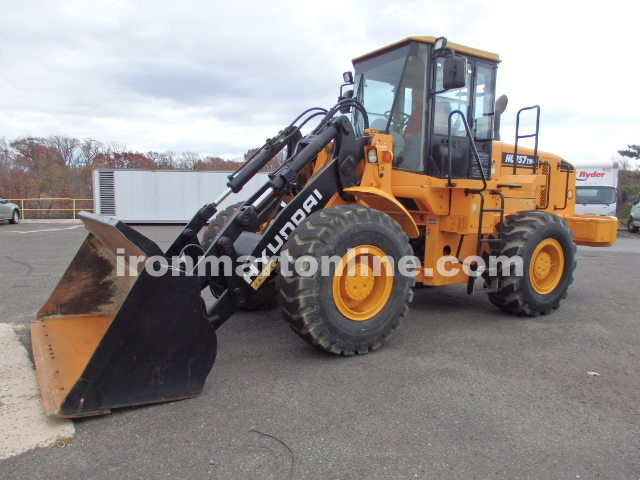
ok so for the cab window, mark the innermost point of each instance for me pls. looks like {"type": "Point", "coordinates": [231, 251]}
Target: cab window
{"type": "Point", "coordinates": [408, 119]}
{"type": "Point", "coordinates": [484, 103]}
{"type": "Point", "coordinates": [449, 101]}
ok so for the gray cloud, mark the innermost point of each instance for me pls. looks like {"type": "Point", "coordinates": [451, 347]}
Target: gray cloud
{"type": "Point", "coordinates": [218, 77]}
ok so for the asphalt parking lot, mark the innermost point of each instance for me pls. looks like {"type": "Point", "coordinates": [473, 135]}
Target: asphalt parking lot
{"type": "Point", "coordinates": [461, 390]}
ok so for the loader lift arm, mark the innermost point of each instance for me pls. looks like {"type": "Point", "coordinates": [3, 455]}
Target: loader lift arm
{"type": "Point", "coordinates": [238, 240]}
{"type": "Point", "coordinates": [113, 334]}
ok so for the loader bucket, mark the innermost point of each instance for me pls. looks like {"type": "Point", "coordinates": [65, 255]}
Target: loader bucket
{"type": "Point", "coordinates": [105, 340]}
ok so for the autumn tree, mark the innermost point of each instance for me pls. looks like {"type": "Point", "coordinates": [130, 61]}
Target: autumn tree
{"type": "Point", "coordinates": [275, 163]}
{"type": "Point", "coordinates": [61, 166]}
{"type": "Point", "coordinates": [67, 150]}
{"type": "Point", "coordinates": [33, 155]}
{"type": "Point", "coordinates": [217, 163]}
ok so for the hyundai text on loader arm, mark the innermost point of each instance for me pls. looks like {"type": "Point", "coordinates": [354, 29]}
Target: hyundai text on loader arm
{"type": "Point", "coordinates": [415, 170]}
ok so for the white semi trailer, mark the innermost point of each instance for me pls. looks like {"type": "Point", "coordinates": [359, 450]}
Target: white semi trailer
{"type": "Point", "coordinates": [161, 196]}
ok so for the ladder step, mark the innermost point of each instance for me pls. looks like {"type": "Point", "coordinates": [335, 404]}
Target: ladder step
{"type": "Point", "coordinates": [497, 210]}
{"type": "Point", "coordinates": [490, 240]}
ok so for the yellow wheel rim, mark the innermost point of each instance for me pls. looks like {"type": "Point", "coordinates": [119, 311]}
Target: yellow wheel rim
{"type": "Point", "coordinates": [547, 266]}
{"type": "Point", "coordinates": [362, 283]}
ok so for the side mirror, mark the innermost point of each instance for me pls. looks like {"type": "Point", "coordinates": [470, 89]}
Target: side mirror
{"type": "Point", "coordinates": [344, 96]}
{"type": "Point", "coordinates": [348, 81]}
{"type": "Point", "coordinates": [454, 72]}
{"type": "Point", "coordinates": [501, 106]}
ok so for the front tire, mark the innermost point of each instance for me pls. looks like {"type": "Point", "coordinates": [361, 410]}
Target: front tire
{"type": "Point", "coordinates": [15, 217]}
{"type": "Point", "coordinates": [545, 244]}
{"type": "Point", "coordinates": [360, 299]}
{"type": "Point", "coordinates": [631, 227]}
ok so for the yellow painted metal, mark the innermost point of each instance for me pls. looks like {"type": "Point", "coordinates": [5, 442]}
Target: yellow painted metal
{"type": "Point", "coordinates": [546, 266]}
{"type": "Point", "coordinates": [55, 201]}
{"type": "Point", "coordinates": [447, 218]}
{"type": "Point", "coordinates": [381, 200]}
{"type": "Point", "coordinates": [494, 57]}
{"type": "Point", "coordinates": [62, 348]}
{"type": "Point", "coordinates": [593, 230]}
{"type": "Point", "coordinates": [362, 282]}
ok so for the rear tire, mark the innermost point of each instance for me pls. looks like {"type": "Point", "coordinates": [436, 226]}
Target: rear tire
{"type": "Point", "coordinates": [265, 298]}
{"type": "Point", "coordinates": [545, 244]}
{"type": "Point", "coordinates": [15, 217]}
{"type": "Point", "coordinates": [346, 314]}
{"type": "Point", "coordinates": [631, 227]}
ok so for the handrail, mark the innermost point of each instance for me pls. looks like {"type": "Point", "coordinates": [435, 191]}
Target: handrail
{"type": "Point", "coordinates": [563, 168]}
{"type": "Point", "coordinates": [74, 207]}
{"type": "Point", "coordinates": [518, 136]}
{"type": "Point", "coordinates": [474, 150]}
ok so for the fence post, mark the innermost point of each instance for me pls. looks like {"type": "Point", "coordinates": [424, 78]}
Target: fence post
{"type": "Point", "coordinates": [22, 207]}
{"type": "Point", "coordinates": [74, 208]}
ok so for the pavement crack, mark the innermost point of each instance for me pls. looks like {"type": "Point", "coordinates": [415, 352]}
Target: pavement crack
{"type": "Point", "coordinates": [293, 456]}
{"type": "Point", "coordinates": [24, 264]}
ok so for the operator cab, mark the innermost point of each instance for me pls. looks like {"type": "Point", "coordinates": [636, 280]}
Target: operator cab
{"type": "Point", "coordinates": [412, 88]}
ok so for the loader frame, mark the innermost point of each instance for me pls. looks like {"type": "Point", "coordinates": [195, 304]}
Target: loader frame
{"type": "Point", "coordinates": [103, 341]}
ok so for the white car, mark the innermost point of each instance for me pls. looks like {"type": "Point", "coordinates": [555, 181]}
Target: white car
{"type": "Point", "coordinates": [9, 211]}
{"type": "Point", "coordinates": [634, 218]}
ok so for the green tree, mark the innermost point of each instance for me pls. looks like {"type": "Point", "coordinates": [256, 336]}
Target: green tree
{"type": "Point", "coordinates": [633, 151]}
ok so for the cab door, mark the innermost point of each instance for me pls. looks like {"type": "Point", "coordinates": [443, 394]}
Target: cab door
{"type": "Point", "coordinates": [476, 102]}
{"type": "Point", "coordinates": [442, 104]}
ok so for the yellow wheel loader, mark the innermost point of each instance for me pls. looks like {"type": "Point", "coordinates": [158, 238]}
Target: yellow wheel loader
{"type": "Point", "coordinates": [403, 181]}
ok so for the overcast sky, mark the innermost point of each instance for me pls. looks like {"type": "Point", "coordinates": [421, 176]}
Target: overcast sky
{"type": "Point", "coordinates": [218, 77]}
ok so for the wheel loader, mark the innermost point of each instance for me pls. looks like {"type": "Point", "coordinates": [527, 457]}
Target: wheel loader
{"type": "Point", "coordinates": [407, 165]}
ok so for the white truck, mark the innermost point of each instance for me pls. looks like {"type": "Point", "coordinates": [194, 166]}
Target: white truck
{"type": "Point", "coordinates": [597, 189]}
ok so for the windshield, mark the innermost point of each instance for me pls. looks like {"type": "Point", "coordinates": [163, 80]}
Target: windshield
{"type": "Point", "coordinates": [601, 195]}
{"type": "Point", "coordinates": [391, 86]}
{"type": "Point", "coordinates": [378, 80]}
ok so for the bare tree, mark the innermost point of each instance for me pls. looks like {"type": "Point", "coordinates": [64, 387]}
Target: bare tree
{"type": "Point", "coordinates": [116, 148]}
{"type": "Point", "coordinates": [189, 160]}
{"type": "Point", "coordinates": [89, 149]}
{"type": "Point", "coordinates": [5, 153]}
{"type": "Point", "coordinates": [66, 148]}
{"type": "Point", "coordinates": [623, 163]}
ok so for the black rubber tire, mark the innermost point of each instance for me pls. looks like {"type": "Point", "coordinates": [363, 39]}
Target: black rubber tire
{"type": "Point", "coordinates": [630, 226]}
{"type": "Point", "coordinates": [15, 217]}
{"type": "Point", "coordinates": [307, 301]}
{"type": "Point", "coordinates": [265, 298]}
{"type": "Point", "coordinates": [521, 234]}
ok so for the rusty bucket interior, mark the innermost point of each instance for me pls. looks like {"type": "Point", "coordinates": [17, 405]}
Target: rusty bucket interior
{"type": "Point", "coordinates": [113, 335]}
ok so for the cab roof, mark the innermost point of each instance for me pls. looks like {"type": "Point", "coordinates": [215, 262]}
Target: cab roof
{"type": "Point", "coordinates": [431, 40]}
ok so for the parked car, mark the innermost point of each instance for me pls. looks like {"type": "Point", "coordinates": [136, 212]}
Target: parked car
{"type": "Point", "coordinates": [634, 217]}
{"type": "Point", "coordinates": [9, 211]}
